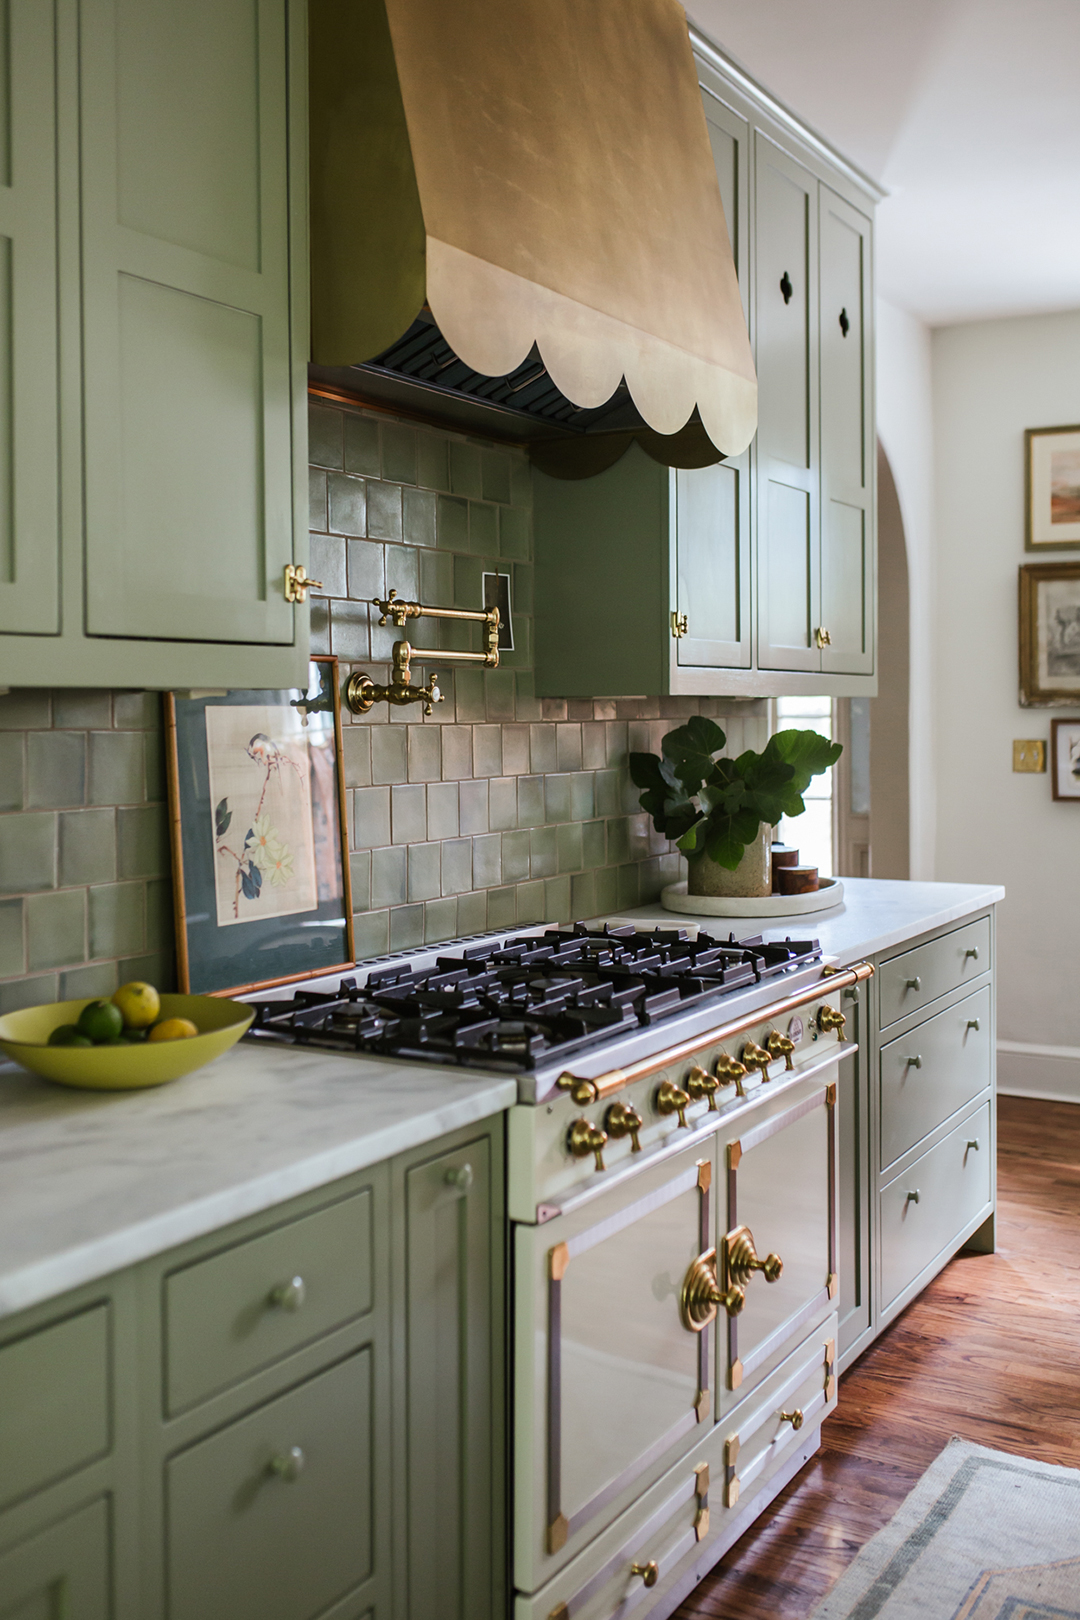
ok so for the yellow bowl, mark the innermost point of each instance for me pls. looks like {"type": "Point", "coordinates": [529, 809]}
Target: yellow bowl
{"type": "Point", "coordinates": [23, 1036]}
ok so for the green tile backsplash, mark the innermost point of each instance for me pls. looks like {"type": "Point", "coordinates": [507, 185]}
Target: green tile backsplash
{"type": "Point", "coordinates": [500, 809]}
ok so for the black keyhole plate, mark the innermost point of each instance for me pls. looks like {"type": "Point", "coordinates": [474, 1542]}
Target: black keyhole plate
{"type": "Point", "coordinates": [786, 288]}
{"type": "Point", "coordinates": [845, 324]}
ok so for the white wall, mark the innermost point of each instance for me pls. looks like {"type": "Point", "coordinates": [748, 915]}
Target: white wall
{"type": "Point", "coordinates": [991, 380]}
{"type": "Point", "coordinates": [905, 428]}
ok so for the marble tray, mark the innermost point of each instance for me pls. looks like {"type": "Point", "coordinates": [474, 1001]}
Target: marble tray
{"type": "Point", "coordinates": [675, 898]}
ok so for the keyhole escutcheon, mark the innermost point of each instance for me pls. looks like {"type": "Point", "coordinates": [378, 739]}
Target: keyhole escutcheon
{"type": "Point", "coordinates": [786, 288]}
{"type": "Point", "coordinates": [845, 324]}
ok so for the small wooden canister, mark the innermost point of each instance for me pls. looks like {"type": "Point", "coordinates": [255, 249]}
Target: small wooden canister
{"type": "Point", "coordinates": [797, 879]}
{"type": "Point", "coordinates": [782, 855]}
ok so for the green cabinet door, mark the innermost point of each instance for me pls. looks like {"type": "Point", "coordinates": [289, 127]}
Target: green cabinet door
{"type": "Point", "coordinates": [187, 374]}
{"type": "Point", "coordinates": [847, 447]}
{"type": "Point", "coordinates": [787, 441]}
{"type": "Point", "coordinates": [451, 1393]}
{"type": "Point", "coordinates": [29, 469]}
{"type": "Point", "coordinates": [60, 1574]}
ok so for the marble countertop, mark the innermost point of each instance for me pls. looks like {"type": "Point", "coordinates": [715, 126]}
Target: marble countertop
{"type": "Point", "coordinates": [875, 914]}
{"type": "Point", "coordinates": [92, 1181]}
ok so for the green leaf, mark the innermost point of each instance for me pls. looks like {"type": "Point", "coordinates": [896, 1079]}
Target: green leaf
{"type": "Point", "coordinates": [664, 797]}
{"type": "Point", "coordinates": [807, 752]}
{"type": "Point", "coordinates": [690, 749]}
{"type": "Point", "coordinates": [728, 837]}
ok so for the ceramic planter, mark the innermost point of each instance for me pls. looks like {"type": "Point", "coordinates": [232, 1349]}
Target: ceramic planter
{"type": "Point", "coordinates": [752, 876]}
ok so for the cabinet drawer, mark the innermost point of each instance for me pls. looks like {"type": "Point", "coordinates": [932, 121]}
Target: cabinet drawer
{"type": "Point", "coordinates": [915, 978]}
{"type": "Point", "coordinates": [925, 1208]}
{"type": "Point", "coordinates": [802, 1390]}
{"type": "Point", "coordinates": [271, 1518]}
{"type": "Point", "coordinates": [229, 1315]}
{"type": "Point", "coordinates": [933, 1070]}
{"type": "Point", "coordinates": [54, 1408]}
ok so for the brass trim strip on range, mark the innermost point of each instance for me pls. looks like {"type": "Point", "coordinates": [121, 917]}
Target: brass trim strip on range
{"type": "Point", "coordinates": [585, 1090]}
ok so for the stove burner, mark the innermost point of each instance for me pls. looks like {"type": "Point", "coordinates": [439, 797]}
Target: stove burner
{"type": "Point", "coordinates": [507, 1006]}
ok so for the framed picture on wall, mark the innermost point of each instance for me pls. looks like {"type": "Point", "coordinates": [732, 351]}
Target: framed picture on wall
{"type": "Point", "coordinates": [1065, 759]}
{"type": "Point", "coordinates": [1050, 634]}
{"type": "Point", "coordinates": [259, 841]}
{"type": "Point", "coordinates": [1052, 482]}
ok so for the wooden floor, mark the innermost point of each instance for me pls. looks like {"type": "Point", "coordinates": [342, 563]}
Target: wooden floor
{"type": "Point", "coordinates": [990, 1351]}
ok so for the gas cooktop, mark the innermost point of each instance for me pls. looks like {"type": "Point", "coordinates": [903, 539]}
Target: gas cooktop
{"type": "Point", "coordinates": [508, 1006]}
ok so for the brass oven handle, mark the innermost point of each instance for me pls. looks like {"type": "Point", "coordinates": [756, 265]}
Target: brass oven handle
{"type": "Point", "coordinates": [730, 1071]}
{"type": "Point", "coordinates": [622, 1119]}
{"type": "Point", "coordinates": [779, 1045]}
{"type": "Point", "coordinates": [671, 1099]}
{"type": "Point", "coordinates": [650, 1572]}
{"type": "Point", "coordinates": [829, 1018]}
{"type": "Point", "coordinates": [753, 1056]}
{"type": "Point", "coordinates": [700, 1083]}
{"type": "Point", "coordinates": [743, 1259]}
{"type": "Point", "coordinates": [701, 1294]}
{"type": "Point", "coordinates": [584, 1138]}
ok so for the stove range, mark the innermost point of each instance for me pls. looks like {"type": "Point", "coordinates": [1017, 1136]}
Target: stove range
{"type": "Point", "coordinates": [511, 1005]}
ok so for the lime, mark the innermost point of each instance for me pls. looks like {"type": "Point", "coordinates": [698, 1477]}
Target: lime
{"type": "Point", "coordinates": [173, 1029]}
{"type": "Point", "coordinates": [100, 1020]}
{"type": "Point", "coordinates": [69, 1035]}
{"type": "Point", "coordinates": [139, 1004]}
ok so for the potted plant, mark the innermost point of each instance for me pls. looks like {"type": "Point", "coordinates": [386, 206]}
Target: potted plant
{"type": "Point", "coordinates": [721, 812]}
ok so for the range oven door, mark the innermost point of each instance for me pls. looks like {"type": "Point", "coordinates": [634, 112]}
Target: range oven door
{"type": "Point", "coordinates": [611, 1385]}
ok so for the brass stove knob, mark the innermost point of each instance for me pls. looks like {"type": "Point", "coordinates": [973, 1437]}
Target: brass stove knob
{"type": "Point", "coordinates": [671, 1099]}
{"type": "Point", "coordinates": [584, 1138]}
{"type": "Point", "coordinates": [730, 1071]}
{"type": "Point", "coordinates": [743, 1259]}
{"type": "Point", "coordinates": [700, 1083]}
{"type": "Point", "coordinates": [623, 1120]}
{"type": "Point", "coordinates": [756, 1057]}
{"type": "Point", "coordinates": [779, 1045]}
{"type": "Point", "coordinates": [829, 1018]}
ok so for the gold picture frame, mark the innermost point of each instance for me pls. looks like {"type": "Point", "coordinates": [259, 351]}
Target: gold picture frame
{"type": "Point", "coordinates": [1050, 634]}
{"type": "Point", "coordinates": [1065, 760]}
{"type": "Point", "coordinates": [1051, 488]}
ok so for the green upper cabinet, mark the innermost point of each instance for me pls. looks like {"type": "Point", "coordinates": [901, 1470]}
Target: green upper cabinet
{"type": "Point", "coordinates": [29, 488]}
{"type": "Point", "coordinates": [173, 160]}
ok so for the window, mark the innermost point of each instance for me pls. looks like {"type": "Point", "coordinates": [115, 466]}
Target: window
{"type": "Point", "coordinates": [811, 833]}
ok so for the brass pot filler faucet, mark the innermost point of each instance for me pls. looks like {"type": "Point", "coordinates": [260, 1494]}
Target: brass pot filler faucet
{"type": "Point", "coordinates": [362, 693]}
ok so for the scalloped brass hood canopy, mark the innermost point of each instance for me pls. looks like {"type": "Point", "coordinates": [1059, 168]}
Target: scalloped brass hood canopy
{"type": "Point", "coordinates": [533, 175]}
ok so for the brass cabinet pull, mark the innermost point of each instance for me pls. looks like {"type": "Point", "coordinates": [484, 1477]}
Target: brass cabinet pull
{"type": "Point", "coordinates": [584, 1138]}
{"type": "Point", "coordinates": [756, 1057]}
{"type": "Point", "coordinates": [729, 1071]}
{"type": "Point", "coordinates": [914, 1062]}
{"type": "Point", "coordinates": [743, 1259]}
{"type": "Point", "coordinates": [829, 1018]}
{"type": "Point", "coordinates": [973, 1023]}
{"type": "Point", "coordinates": [650, 1572]}
{"type": "Point", "coordinates": [671, 1099]}
{"type": "Point", "coordinates": [680, 625]}
{"type": "Point", "coordinates": [912, 1197]}
{"type": "Point", "coordinates": [795, 1418]}
{"type": "Point", "coordinates": [701, 1294]}
{"type": "Point", "coordinates": [288, 1465]}
{"type": "Point", "coordinates": [461, 1177]}
{"type": "Point", "coordinates": [779, 1045]}
{"type": "Point", "coordinates": [973, 952]}
{"type": "Point", "coordinates": [297, 584]}
{"type": "Point", "coordinates": [289, 1296]}
{"type": "Point", "coordinates": [913, 984]}
{"type": "Point", "coordinates": [623, 1120]}
{"type": "Point", "coordinates": [974, 1143]}
{"type": "Point", "coordinates": [700, 1083]}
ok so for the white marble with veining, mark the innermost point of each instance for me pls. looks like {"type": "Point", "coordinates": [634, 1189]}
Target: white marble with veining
{"type": "Point", "coordinates": [93, 1181]}
{"type": "Point", "coordinates": [875, 914]}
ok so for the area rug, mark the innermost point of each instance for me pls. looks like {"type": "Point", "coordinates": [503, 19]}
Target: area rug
{"type": "Point", "coordinates": [983, 1536]}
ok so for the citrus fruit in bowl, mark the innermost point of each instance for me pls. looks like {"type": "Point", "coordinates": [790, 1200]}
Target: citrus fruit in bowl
{"type": "Point", "coordinates": [37, 1038]}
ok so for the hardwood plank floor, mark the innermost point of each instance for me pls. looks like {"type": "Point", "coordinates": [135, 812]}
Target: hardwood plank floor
{"type": "Point", "coordinates": [989, 1351]}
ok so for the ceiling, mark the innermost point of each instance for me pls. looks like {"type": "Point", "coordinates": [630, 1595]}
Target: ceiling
{"type": "Point", "coordinates": [966, 111]}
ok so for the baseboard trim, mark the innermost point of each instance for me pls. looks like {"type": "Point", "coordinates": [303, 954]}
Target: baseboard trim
{"type": "Point", "coordinates": [1044, 1073]}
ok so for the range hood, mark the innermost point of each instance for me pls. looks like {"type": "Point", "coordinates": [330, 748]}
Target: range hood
{"type": "Point", "coordinates": [517, 227]}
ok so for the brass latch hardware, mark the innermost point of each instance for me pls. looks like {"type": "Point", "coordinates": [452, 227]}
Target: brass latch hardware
{"type": "Point", "coordinates": [795, 1418]}
{"type": "Point", "coordinates": [701, 1294]}
{"type": "Point", "coordinates": [700, 1083]}
{"type": "Point", "coordinates": [671, 1099]}
{"type": "Point", "coordinates": [756, 1057]}
{"type": "Point", "coordinates": [297, 584]}
{"type": "Point", "coordinates": [650, 1572]}
{"type": "Point", "coordinates": [828, 1018]}
{"type": "Point", "coordinates": [584, 1138]}
{"type": "Point", "coordinates": [729, 1071]}
{"type": "Point", "coordinates": [779, 1045]}
{"type": "Point", "coordinates": [822, 638]}
{"type": "Point", "coordinates": [680, 625]}
{"type": "Point", "coordinates": [622, 1119]}
{"type": "Point", "coordinates": [362, 693]}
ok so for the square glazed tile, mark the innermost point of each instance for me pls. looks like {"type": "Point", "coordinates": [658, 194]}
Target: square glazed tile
{"type": "Point", "coordinates": [425, 875]}
{"type": "Point", "coordinates": [12, 770]}
{"type": "Point", "coordinates": [502, 908]}
{"type": "Point", "coordinates": [96, 979]}
{"type": "Point", "coordinates": [19, 993]}
{"type": "Point", "coordinates": [607, 889]}
{"type": "Point", "coordinates": [568, 746]}
{"type": "Point", "coordinates": [388, 754]}
{"type": "Point", "coordinates": [142, 845]}
{"type": "Point", "coordinates": [371, 817]}
{"type": "Point", "coordinates": [473, 806]}
{"type": "Point", "coordinates": [544, 852]}
{"type": "Point", "coordinates": [515, 857]}
{"type": "Point", "coordinates": [499, 694]}
{"type": "Point", "coordinates": [442, 810]}
{"type": "Point", "coordinates": [383, 510]}
{"type": "Point", "coordinates": [487, 751]}
{"type": "Point", "coordinates": [557, 798]}
{"type": "Point", "coordinates": [388, 868]}
{"type": "Point", "coordinates": [371, 934]}
{"type": "Point", "coordinates": [465, 474]}
{"type": "Point", "coordinates": [515, 750]}
{"type": "Point", "coordinates": [483, 531]}
{"type": "Point", "coordinates": [366, 571]}
{"type": "Point", "coordinates": [425, 753]}
{"type": "Point", "coordinates": [25, 710]}
{"type": "Point", "coordinates": [495, 476]}
{"type": "Point", "coordinates": [117, 919]}
{"type": "Point", "coordinates": [456, 752]}
{"type": "Point", "coordinates": [440, 920]}
{"type": "Point", "coordinates": [360, 879]}
{"type": "Point", "coordinates": [582, 895]}
{"type": "Point", "coordinates": [12, 943]}
{"type": "Point", "coordinates": [356, 755]}
{"type": "Point", "coordinates": [432, 461]}
{"type": "Point", "coordinates": [399, 452]}
{"type": "Point", "coordinates": [514, 533]}
{"type": "Point", "coordinates": [502, 803]}
{"type": "Point", "coordinates": [328, 564]}
{"type": "Point", "coordinates": [452, 523]}
{"type": "Point", "coordinates": [56, 768]}
{"type": "Point", "coordinates": [582, 796]}
{"type": "Point", "coordinates": [406, 928]}
{"type": "Point", "coordinates": [593, 844]}
{"type": "Point", "coordinates": [56, 929]}
{"type": "Point", "coordinates": [418, 509]}
{"type": "Point", "coordinates": [87, 847]}
{"type": "Point", "coordinates": [361, 446]}
{"type": "Point", "coordinates": [531, 808]}
{"type": "Point", "coordinates": [569, 843]}
{"type": "Point", "coordinates": [457, 866]}
{"type": "Point", "coordinates": [347, 504]}
{"type": "Point", "coordinates": [543, 752]}
{"type": "Point", "coordinates": [408, 814]}
{"type": "Point", "coordinates": [472, 912]}
{"type": "Point", "coordinates": [487, 860]}
{"type": "Point", "coordinates": [403, 576]}
{"type": "Point", "coordinates": [82, 711]}
{"type": "Point", "coordinates": [557, 899]}
{"type": "Point", "coordinates": [317, 512]}
{"type": "Point", "coordinates": [116, 767]}
{"type": "Point", "coordinates": [324, 436]}
{"type": "Point", "coordinates": [530, 903]}
{"type": "Point", "coordinates": [27, 852]}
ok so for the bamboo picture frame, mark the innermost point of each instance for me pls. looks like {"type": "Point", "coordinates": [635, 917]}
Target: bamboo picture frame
{"type": "Point", "coordinates": [1049, 601]}
{"type": "Point", "coordinates": [1052, 488]}
{"type": "Point", "coordinates": [259, 835]}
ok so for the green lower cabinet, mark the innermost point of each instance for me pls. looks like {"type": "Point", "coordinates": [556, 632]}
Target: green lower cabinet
{"type": "Point", "coordinates": [62, 1573]}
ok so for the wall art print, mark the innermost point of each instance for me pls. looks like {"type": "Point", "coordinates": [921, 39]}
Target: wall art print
{"type": "Point", "coordinates": [1052, 478]}
{"type": "Point", "coordinates": [1049, 634]}
{"type": "Point", "coordinates": [260, 853]}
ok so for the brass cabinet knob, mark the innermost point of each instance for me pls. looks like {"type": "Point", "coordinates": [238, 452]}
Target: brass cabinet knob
{"type": "Point", "coordinates": [701, 1294]}
{"type": "Point", "coordinates": [700, 1083]}
{"type": "Point", "coordinates": [973, 1023]}
{"type": "Point", "coordinates": [913, 1062]}
{"type": "Point", "coordinates": [973, 1143]}
{"type": "Point", "coordinates": [756, 1057]}
{"type": "Point", "coordinates": [912, 1197]}
{"type": "Point", "coordinates": [623, 1120]}
{"type": "Point", "coordinates": [289, 1296]}
{"type": "Point", "coordinates": [650, 1572]}
{"type": "Point", "coordinates": [830, 1018]}
{"type": "Point", "coordinates": [288, 1465]}
{"type": "Point", "coordinates": [671, 1099]}
{"type": "Point", "coordinates": [973, 952]}
{"type": "Point", "coordinates": [913, 984]}
{"type": "Point", "coordinates": [729, 1071]}
{"type": "Point", "coordinates": [584, 1138]}
{"type": "Point", "coordinates": [778, 1045]}
{"type": "Point", "coordinates": [743, 1259]}
{"type": "Point", "coordinates": [795, 1418]}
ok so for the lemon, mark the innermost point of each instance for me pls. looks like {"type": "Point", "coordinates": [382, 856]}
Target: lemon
{"type": "Point", "coordinates": [100, 1021]}
{"type": "Point", "coordinates": [139, 1004]}
{"type": "Point", "coordinates": [173, 1029]}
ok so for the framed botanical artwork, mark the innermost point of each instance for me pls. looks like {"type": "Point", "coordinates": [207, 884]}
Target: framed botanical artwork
{"type": "Point", "coordinates": [1052, 481]}
{"type": "Point", "coordinates": [1065, 759]}
{"type": "Point", "coordinates": [260, 850]}
{"type": "Point", "coordinates": [1049, 634]}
